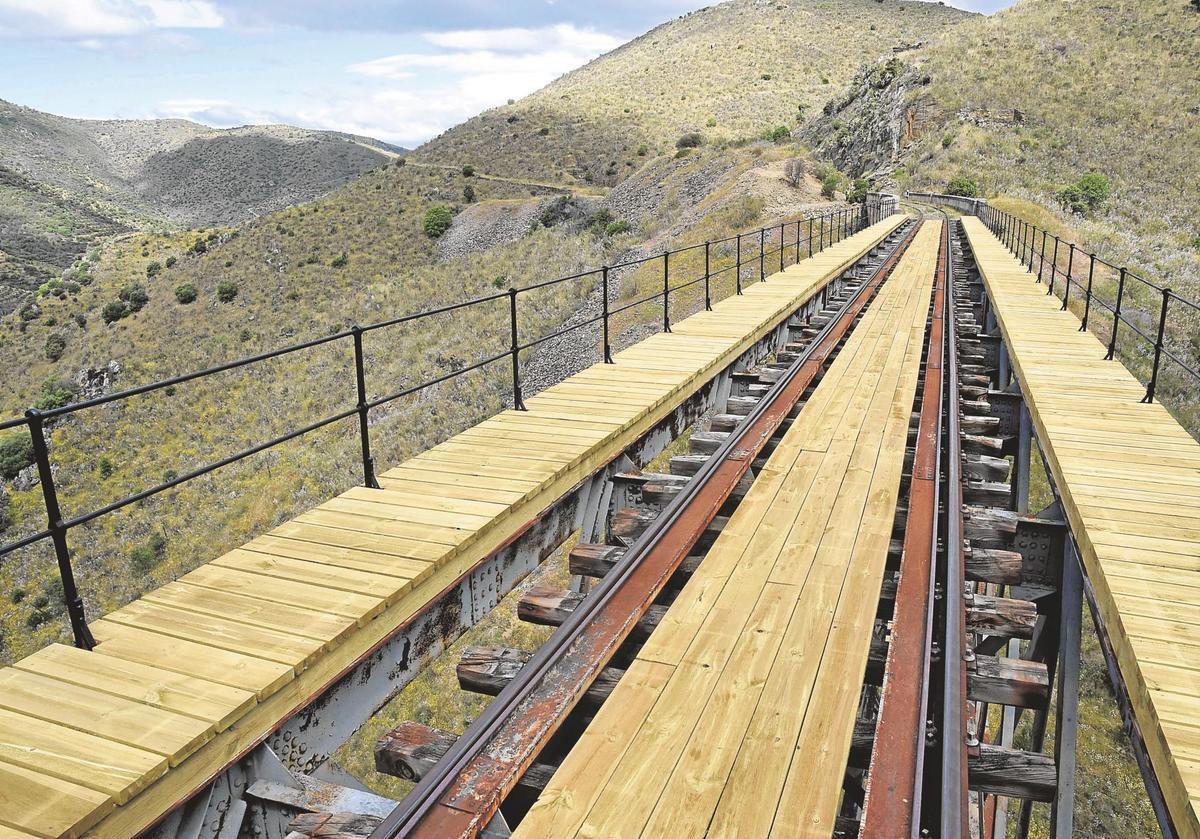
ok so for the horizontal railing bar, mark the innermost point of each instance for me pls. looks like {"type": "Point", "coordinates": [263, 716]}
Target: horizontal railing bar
{"type": "Point", "coordinates": [408, 391]}
{"type": "Point", "coordinates": [25, 542]}
{"type": "Point", "coordinates": [560, 332]}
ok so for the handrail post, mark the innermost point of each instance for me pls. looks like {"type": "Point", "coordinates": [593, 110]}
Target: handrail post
{"type": "Point", "coordinates": [781, 248]}
{"type": "Point", "coordinates": [604, 293]}
{"type": "Point", "coordinates": [821, 231]}
{"type": "Point", "coordinates": [1112, 339]}
{"type": "Point", "coordinates": [518, 401]}
{"type": "Point", "coordinates": [666, 291]}
{"type": "Point", "coordinates": [762, 253]}
{"type": "Point", "coordinates": [1032, 239]}
{"type": "Point", "coordinates": [1158, 346]}
{"type": "Point", "coordinates": [360, 379]}
{"type": "Point", "coordinates": [1070, 266]}
{"type": "Point", "coordinates": [1087, 300]}
{"type": "Point", "coordinates": [810, 228]}
{"type": "Point", "coordinates": [1042, 257]}
{"type": "Point", "coordinates": [1053, 265]}
{"type": "Point", "coordinates": [798, 223]}
{"type": "Point", "coordinates": [737, 272]}
{"type": "Point", "coordinates": [707, 276]}
{"type": "Point", "coordinates": [58, 532]}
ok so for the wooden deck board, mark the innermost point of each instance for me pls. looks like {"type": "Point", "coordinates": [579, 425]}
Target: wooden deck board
{"type": "Point", "coordinates": [760, 659]}
{"type": "Point", "coordinates": [202, 669]}
{"type": "Point", "coordinates": [1129, 476]}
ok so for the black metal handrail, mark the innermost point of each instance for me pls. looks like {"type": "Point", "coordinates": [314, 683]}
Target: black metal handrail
{"type": "Point", "coordinates": [828, 228]}
{"type": "Point", "coordinates": [1021, 238]}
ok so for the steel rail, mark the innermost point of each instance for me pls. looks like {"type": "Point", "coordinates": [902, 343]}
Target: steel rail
{"type": "Point", "coordinates": [605, 618]}
{"type": "Point", "coordinates": [893, 804]}
{"type": "Point", "coordinates": [954, 783]}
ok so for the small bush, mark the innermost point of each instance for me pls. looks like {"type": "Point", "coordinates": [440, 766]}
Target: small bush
{"type": "Point", "coordinates": [105, 468]}
{"type": "Point", "coordinates": [712, 122]}
{"type": "Point", "coordinates": [145, 557]}
{"type": "Point", "coordinates": [135, 297]}
{"type": "Point", "coordinates": [200, 246]}
{"type": "Point", "coordinates": [186, 293]}
{"type": "Point", "coordinates": [55, 394]}
{"type": "Point", "coordinates": [227, 290]}
{"type": "Point", "coordinates": [947, 140]}
{"type": "Point", "coordinates": [793, 171]}
{"type": "Point", "coordinates": [468, 171]}
{"type": "Point", "coordinates": [962, 185]}
{"type": "Point", "coordinates": [616, 227]}
{"type": "Point", "coordinates": [437, 221]}
{"type": "Point", "coordinates": [16, 452]}
{"type": "Point", "coordinates": [830, 184]}
{"type": "Point", "coordinates": [80, 320]}
{"type": "Point", "coordinates": [778, 134]}
{"type": "Point", "coordinates": [6, 516]}
{"type": "Point", "coordinates": [643, 150]}
{"type": "Point", "coordinates": [56, 345]}
{"type": "Point", "coordinates": [340, 261]}
{"type": "Point", "coordinates": [18, 594]}
{"type": "Point", "coordinates": [544, 131]}
{"type": "Point", "coordinates": [1087, 195]}
{"type": "Point", "coordinates": [858, 192]}
{"type": "Point", "coordinates": [153, 270]}
{"type": "Point", "coordinates": [600, 220]}
{"type": "Point", "coordinates": [30, 311]}
{"type": "Point", "coordinates": [171, 262]}
{"type": "Point", "coordinates": [691, 140]}
{"type": "Point", "coordinates": [469, 193]}
{"type": "Point", "coordinates": [114, 310]}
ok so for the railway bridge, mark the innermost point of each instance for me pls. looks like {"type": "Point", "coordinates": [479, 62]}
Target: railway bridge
{"type": "Point", "coordinates": [825, 614]}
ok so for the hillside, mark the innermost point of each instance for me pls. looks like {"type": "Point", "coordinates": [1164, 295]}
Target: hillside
{"type": "Point", "coordinates": [67, 183]}
{"type": "Point", "coordinates": [729, 71]}
{"type": "Point", "coordinates": [1031, 99]}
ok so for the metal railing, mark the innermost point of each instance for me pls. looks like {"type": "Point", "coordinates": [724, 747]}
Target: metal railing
{"type": "Point", "coordinates": [811, 235]}
{"type": "Point", "coordinates": [1022, 239]}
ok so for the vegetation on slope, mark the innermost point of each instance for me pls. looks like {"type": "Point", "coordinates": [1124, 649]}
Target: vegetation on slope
{"type": "Point", "coordinates": [730, 71]}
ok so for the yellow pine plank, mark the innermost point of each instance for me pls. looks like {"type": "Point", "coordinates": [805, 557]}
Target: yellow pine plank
{"type": "Point", "coordinates": [371, 552]}
{"type": "Point", "coordinates": [325, 573]}
{"type": "Point", "coordinates": [409, 471]}
{"type": "Point", "coordinates": [434, 534]}
{"type": "Point", "coordinates": [114, 769]}
{"type": "Point", "coordinates": [252, 611]}
{"type": "Point", "coordinates": [359, 608]}
{"type": "Point", "coordinates": [46, 806]}
{"type": "Point", "coordinates": [171, 735]}
{"type": "Point", "coordinates": [400, 512]}
{"type": "Point", "coordinates": [221, 633]}
{"type": "Point", "coordinates": [141, 646]}
{"type": "Point", "coordinates": [199, 698]}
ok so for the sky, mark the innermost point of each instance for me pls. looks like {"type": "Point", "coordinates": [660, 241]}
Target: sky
{"type": "Point", "coordinates": [397, 70]}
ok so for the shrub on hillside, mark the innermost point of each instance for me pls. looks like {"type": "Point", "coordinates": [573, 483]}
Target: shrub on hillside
{"type": "Point", "coordinates": [56, 345]}
{"type": "Point", "coordinates": [6, 516]}
{"type": "Point", "coordinates": [55, 394]}
{"type": "Point", "coordinates": [793, 171]}
{"type": "Point", "coordinates": [170, 261]}
{"type": "Point", "coordinates": [962, 185]}
{"type": "Point", "coordinates": [227, 290]}
{"type": "Point", "coordinates": [469, 193]}
{"type": "Point", "coordinates": [437, 221]}
{"type": "Point", "coordinates": [778, 134]}
{"type": "Point", "coordinates": [143, 558]}
{"type": "Point", "coordinates": [691, 140]}
{"type": "Point", "coordinates": [114, 310]}
{"type": "Point", "coordinates": [186, 293]}
{"type": "Point", "coordinates": [642, 150]}
{"type": "Point", "coordinates": [1086, 195]}
{"type": "Point", "coordinates": [16, 452]}
{"type": "Point", "coordinates": [829, 184]}
{"type": "Point", "coordinates": [200, 246]}
{"type": "Point", "coordinates": [340, 261]}
{"type": "Point", "coordinates": [468, 171]}
{"type": "Point", "coordinates": [135, 297]}
{"type": "Point", "coordinates": [858, 192]}
{"type": "Point", "coordinates": [153, 270]}
{"type": "Point", "coordinates": [616, 227]}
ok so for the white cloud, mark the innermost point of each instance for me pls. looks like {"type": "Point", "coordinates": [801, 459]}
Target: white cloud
{"type": "Point", "coordinates": [215, 112]}
{"type": "Point", "coordinates": [89, 20]}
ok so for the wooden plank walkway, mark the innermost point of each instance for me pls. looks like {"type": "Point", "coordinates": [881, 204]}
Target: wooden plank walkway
{"type": "Point", "coordinates": [1129, 476]}
{"type": "Point", "coordinates": [197, 672]}
{"type": "Point", "coordinates": [735, 718]}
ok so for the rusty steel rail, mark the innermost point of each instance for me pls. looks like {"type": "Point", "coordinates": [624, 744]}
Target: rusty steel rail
{"type": "Point", "coordinates": [892, 807]}
{"type": "Point", "coordinates": [954, 791]}
{"type": "Point", "coordinates": [462, 793]}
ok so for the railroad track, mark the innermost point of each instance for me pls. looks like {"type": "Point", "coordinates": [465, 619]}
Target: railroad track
{"type": "Point", "coordinates": [919, 761]}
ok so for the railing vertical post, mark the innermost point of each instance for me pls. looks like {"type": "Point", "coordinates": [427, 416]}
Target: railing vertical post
{"type": "Point", "coordinates": [737, 272]}
{"type": "Point", "coordinates": [666, 291]}
{"type": "Point", "coordinates": [821, 237]}
{"type": "Point", "coordinates": [1053, 265]}
{"type": "Point", "coordinates": [707, 277]}
{"type": "Point", "coordinates": [781, 247]}
{"type": "Point", "coordinates": [608, 359]}
{"type": "Point", "coordinates": [360, 380]}
{"type": "Point", "coordinates": [762, 253]}
{"type": "Point", "coordinates": [518, 402]}
{"type": "Point", "coordinates": [1158, 346]}
{"type": "Point", "coordinates": [1029, 250]}
{"type": "Point", "coordinates": [1070, 266]}
{"type": "Point", "coordinates": [1042, 257]}
{"type": "Point", "coordinates": [810, 241]}
{"type": "Point", "coordinates": [798, 223]}
{"type": "Point", "coordinates": [1112, 339]}
{"type": "Point", "coordinates": [58, 532]}
{"type": "Point", "coordinates": [1087, 298]}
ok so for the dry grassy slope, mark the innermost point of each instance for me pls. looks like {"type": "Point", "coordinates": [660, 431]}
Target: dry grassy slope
{"type": "Point", "coordinates": [66, 182]}
{"type": "Point", "coordinates": [728, 71]}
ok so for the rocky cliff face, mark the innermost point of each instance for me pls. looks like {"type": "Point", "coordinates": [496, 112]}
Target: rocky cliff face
{"type": "Point", "coordinates": [866, 131]}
